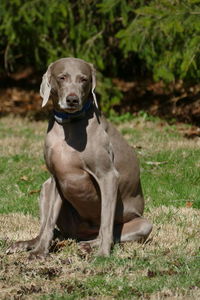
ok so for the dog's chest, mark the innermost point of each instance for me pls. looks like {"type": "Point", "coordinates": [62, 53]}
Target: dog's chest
{"type": "Point", "coordinates": [61, 159]}
{"type": "Point", "coordinates": [67, 166]}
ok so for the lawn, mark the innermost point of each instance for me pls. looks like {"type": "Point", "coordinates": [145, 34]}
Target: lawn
{"type": "Point", "coordinates": [165, 267]}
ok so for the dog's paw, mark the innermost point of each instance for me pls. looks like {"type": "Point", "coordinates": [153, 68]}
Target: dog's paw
{"type": "Point", "coordinates": [103, 252]}
{"type": "Point", "coordinates": [91, 243]}
{"type": "Point", "coordinates": [105, 249]}
{"type": "Point", "coordinates": [36, 254]}
{"type": "Point", "coordinates": [17, 247]}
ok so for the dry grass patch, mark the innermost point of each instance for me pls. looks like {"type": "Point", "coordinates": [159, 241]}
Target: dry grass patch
{"type": "Point", "coordinates": [21, 136]}
{"type": "Point", "coordinates": [157, 136]}
{"type": "Point", "coordinates": [79, 274]}
{"type": "Point", "coordinates": [17, 226]}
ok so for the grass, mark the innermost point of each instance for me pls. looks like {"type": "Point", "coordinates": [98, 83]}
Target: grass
{"type": "Point", "coordinates": [169, 163]}
{"type": "Point", "coordinates": [166, 267]}
{"type": "Point", "coordinates": [22, 165]}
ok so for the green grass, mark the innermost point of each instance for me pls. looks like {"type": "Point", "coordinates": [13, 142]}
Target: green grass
{"type": "Point", "coordinates": [174, 182]}
{"type": "Point", "coordinates": [154, 275]}
{"type": "Point", "coordinates": [21, 180]}
{"type": "Point", "coordinates": [170, 164]}
{"type": "Point", "coordinates": [22, 166]}
{"type": "Point", "coordinates": [166, 266]}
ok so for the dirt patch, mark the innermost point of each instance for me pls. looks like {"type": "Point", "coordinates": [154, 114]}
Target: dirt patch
{"type": "Point", "coordinates": [175, 100]}
{"type": "Point", "coordinates": [22, 102]}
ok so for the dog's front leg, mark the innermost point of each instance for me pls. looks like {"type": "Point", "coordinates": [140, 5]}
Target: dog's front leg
{"type": "Point", "coordinates": [48, 197]}
{"type": "Point", "coordinates": [50, 209]}
{"type": "Point", "coordinates": [109, 188]}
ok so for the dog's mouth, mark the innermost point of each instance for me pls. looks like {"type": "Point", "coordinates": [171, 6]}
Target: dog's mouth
{"type": "Point", "coordinates": [73, 108]}
{"type": "Point", "coordinates": [70, 108]}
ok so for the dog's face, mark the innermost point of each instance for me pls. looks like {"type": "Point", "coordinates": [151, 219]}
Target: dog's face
{"type": "Point", "coordinates": [70, 82]}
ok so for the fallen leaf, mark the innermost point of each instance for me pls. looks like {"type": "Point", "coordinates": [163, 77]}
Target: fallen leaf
{"type": "Point", "coordinates": [188, 204]}
{"type": "Point", "coordinates": [151, 274]}
{"type": "Point", "coordinates": [58, 245]}
{"type": "Point", "coordinates": [43, 167]}
{"type": "Point", "coordinates": [24, 178]}
{"type": "Point", "coordinates": [84, 249]}
{"type": "Point", "coordinates": [34, 192]}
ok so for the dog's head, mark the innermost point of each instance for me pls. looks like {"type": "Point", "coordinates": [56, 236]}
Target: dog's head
{"type": "Point", "coordinates": [70, 82]}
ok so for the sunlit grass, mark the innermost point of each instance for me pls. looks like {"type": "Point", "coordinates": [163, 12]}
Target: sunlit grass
{"type": "Point", "coordinates": [166, 266]}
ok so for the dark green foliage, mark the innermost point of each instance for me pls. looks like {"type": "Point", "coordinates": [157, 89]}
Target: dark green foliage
{"type": "Point", "coordinates": [37, 32]}
{"type": "Point", "coordinates": [166, 35]}
{"type": "Point", "coordinates": [122, 38]}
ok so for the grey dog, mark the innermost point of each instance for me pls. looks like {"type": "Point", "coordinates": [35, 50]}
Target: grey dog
{"type": "Point", "coordinates": [94, 194]}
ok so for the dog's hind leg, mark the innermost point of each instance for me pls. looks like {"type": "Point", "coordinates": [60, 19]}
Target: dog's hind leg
{"type": "Point", "coordinates": [137, 229]}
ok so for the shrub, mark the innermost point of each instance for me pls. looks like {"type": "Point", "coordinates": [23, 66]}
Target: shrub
{"type": "Point", "coordinates": [123, 38]}
{"type": "Point", "coordinates": [166, 35]}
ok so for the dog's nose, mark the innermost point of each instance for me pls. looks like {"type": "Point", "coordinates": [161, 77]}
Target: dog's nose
{"type": "Point", "coordinates": [72, 100]}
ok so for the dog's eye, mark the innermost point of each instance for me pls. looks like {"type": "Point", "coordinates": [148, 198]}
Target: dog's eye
{"type": "Point", "coordinates": [83, 79]}
{"type": "Point", "coordinates": [62, 77]}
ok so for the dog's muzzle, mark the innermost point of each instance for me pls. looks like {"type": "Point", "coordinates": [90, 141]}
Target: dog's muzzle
{"type": "Point", "coordinates": [66, 117]}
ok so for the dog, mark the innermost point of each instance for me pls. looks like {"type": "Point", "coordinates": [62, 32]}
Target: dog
{"type": "Point", "coordinates": [94, 194]}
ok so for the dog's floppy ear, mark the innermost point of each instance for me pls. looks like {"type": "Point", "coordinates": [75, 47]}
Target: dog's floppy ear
{"type": "Point", "coordinates": [93, 83]}
{"type": "Point", "coordinates": [45, 87]}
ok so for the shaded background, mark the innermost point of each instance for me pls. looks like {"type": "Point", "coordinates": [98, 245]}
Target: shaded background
{"type": "Point", "coordinates": [146, 53]}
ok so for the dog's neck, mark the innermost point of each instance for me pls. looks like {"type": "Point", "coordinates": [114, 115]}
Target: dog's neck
{"type": "Point", "coordinates": [64, 117]}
